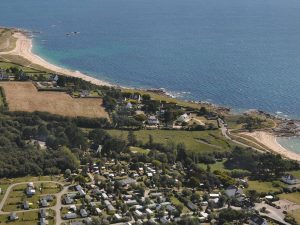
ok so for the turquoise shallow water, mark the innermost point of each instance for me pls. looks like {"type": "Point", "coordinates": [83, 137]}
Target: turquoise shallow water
{"type": "Point", "coordinates": [291, 143]}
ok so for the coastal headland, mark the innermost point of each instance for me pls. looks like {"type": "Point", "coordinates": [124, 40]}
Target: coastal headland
{"type": "Point", "coordinates": [20, 45]}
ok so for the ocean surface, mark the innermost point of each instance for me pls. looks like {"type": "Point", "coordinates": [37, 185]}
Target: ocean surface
{"type": "Point", "coordinates": [291, 143]}
{"type": "Point", "coordinates": [239, 53]}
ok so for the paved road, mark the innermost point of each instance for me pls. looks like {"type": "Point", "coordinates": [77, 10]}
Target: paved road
{"type": "Point", "coordinates": [225, 133]}
{"type": "Point", "coordinates": [56, 208]}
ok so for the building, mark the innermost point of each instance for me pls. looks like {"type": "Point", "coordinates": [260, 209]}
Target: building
{"type": "Point", "coordinates": [257, 220]}
{"type": "Point", "coordinates": [233, 191]}
{"type": "Point", "coordinates": [30, 191]}
{"type": "Point", "coordinates": [184, 118]}
{"type": "Point", "coordinates": [26, 205]}
{"type": "Point", "coordinates": [70, 216]}
{"type": "Point", "coordinates": [83, 213]}
{"type": "Point", "coordinates": [289, 179]}
{"type": "Point", "coordinates": [13, 216]}
{"type": "Point", "coordinates": [152, 120]}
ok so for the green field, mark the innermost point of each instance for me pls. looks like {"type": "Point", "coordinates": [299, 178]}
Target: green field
{"type": "Point", "coordinates": [195, 141]}
{"type": "Point", "coordinates": [263, 186]}
{"type": "Point", "coordinates": [293, 197]}
{"type": "Point", "coordinates": [139, 150]}
{"type": "Point", "coordinates": [7, 41]}
{"type": "Point", "coordinates": [296, 215]}
{"type": "Point", "coordinates": [26, 218]}
{"type": "Point", "coordinates": [216, 166]}
{"type": "Point", "coordinates": [17, 196]}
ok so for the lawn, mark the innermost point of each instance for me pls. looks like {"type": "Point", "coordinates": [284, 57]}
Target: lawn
{"type": "Point", "coordinates": [176, 201]}
{"type": "Point", "coordinates": [195, 141]}
{"type": "Point", "coordinates": [293, 197]}
{"type": "Point", "coordinates": [265, 187]}
{"type": "Point", "coordinates": [26, 218]}
{"type": "Point", "coordinates": [139, 150]}
{"type": "Point", "coordinates": [17, 196]}
{"type": "Point", "coordinates": [216, 166]}
{"type": "Point", "coordinates": [296, 215]}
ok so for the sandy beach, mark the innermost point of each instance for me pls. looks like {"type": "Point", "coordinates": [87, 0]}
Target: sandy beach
{"type": "Point", "coordinates": [24, 49]}
{"type": "Point", "coordinates": [269, 140]}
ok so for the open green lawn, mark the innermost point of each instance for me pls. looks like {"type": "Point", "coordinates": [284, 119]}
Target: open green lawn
{"type": "Point", "coordinates": [216, 166]}
{"type": "Point", "coordinates": [296, 173]}
{"type": "Point", "coordinates": [176, 201]}
{"type": "Point", "coordinates": [17, 196]}
{"type": "Point", "coordinates": [139, 150]}
{"type": "Point", "coordinates": [293, 197]}
{"type": "Point", "coordinates": [195, 141]}
{"type": "Point", "coordinates": [296, 215]}
{"type": "Point", "coordinates": [263, 186]}
{"type": "Point", "coordinates": [26, 218]}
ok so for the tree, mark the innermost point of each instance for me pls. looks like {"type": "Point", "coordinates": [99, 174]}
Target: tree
{"type": "Point", "coordinates": [70, 160]}
{"type": "Point", "coordinates": [132, 141]}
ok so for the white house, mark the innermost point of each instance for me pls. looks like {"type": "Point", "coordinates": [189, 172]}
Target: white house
{"type": "Point", "coordinates": [289, 179]}
{"type": "Point", "coordinates": [152, 120]}
{"type": "Point", "coordinates": [184, 118]}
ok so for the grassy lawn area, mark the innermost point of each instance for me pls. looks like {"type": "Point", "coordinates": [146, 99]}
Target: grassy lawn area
{"type": "Point", "coordinates": [176, 201]}
{"type": "Point", "coordinates": [293, 197]}
{"type": "Point", "coordinates": [265, 187]}
{"type": "Point", "coordinates": [216, 166]}
{"type": "Point", "coordinates": [139, 150]}
{"type": "Point", "coordinates": [27, 218]}
{"type": "Point", "coordinates": [7, 41]}
{"type": "Point", "coordinates": [296, 215]}
{"type": "Point", "coordinates": [160, 97]}
{"type": "Point", "coordinates": [195, 141]}
{"type": "Point", "coordinates": [296, 173]}
{"type": "Point", "coordinates": [17, 196]}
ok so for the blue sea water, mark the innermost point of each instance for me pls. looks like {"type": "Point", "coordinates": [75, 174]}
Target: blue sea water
{"type": "Point", "coordinates": [239, 53]}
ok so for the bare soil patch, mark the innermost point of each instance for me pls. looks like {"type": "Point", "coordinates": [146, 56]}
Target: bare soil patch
{"type": "Point", "coordinates": [23, 96]}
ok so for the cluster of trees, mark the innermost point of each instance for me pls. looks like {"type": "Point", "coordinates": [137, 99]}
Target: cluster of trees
{"type": "Point", "coordinates": [262, 166]}
{"type": "Point", "coordinates": [20, 153]}
{"type": "Point", "coordinates": [251, 122]}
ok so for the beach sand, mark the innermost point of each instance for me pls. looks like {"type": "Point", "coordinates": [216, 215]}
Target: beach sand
{"type": "Point", "coordinates": [269, 140]}
{"type": "Point", "coordinates": [24, 49]}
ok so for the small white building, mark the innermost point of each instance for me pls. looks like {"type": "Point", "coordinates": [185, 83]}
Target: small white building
{"type": "Point", "coordinates": [289, 179]}
{"type": "Point", "coordinates": [152, 120]}
{"type": "Point", "coordinates": [184, 118]}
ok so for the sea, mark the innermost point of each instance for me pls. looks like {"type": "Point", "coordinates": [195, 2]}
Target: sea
{"type": "Point", "coordinates": [244, 54]}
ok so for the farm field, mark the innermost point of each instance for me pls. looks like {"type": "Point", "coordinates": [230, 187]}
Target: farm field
{"type": "Point", "coordinates": [23, 96]}
{"type": "Point", "coordinates": [195, 141]}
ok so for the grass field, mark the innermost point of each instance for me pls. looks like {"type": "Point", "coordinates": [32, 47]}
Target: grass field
{"type": "Point", "coordinates": [216, 166]}
{"type": "Point", "coordinates": [17, 196]}
{"type": "Point", "coordinates": [293, 197]}
{"type": "Point", "coordinates": [23, 96]}
{"type": "Point", "coordinates": [7, 41]}
{"type": "Point", "coordinates": [26, 218]}
{"type": "Point", "coordinates": [296, 215]}
{"type": "Point", "coordinates": [139, 150]}
{"type": "Point", "coordinates": [195, 141]}
{"type": "Point", "coordinates": [265, 187]}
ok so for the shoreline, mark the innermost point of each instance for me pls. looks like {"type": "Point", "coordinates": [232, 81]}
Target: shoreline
{"type": "Point", "coordinates": [23, 48]}
{"type": "Point", "coordinates": [270, 141]}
